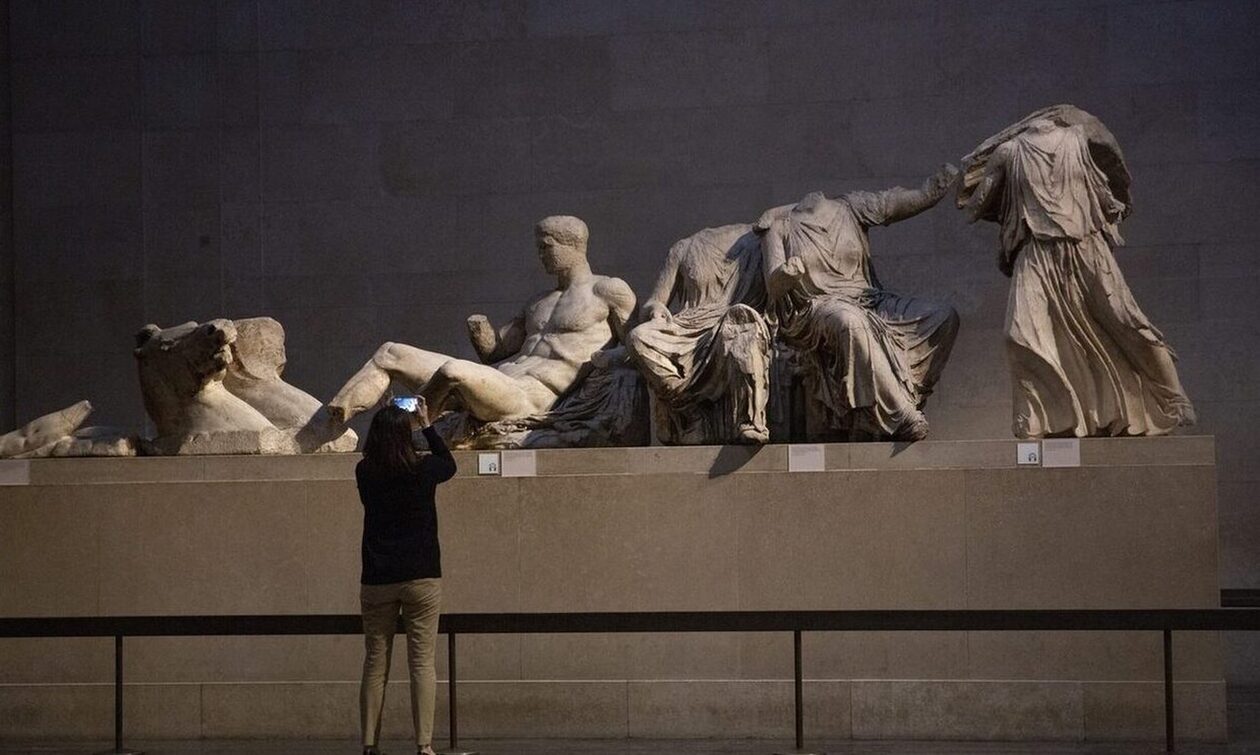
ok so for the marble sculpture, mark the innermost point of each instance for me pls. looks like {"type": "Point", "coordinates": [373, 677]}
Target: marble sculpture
{"type": "Point", "coordinates": [703, 345]}
{"type": "Point", "coordinates": [215, 388]}
{"type": "Point", "coordinates": [744, 320]}
{"type": "Point", "coordinates": [872, 356]}
{"type": "Point", "coordinates": [1084, 359]}
{"type": "Point", "coordinates": [61, 434]}
{"type": "Point", "coordinates": [553, 375]}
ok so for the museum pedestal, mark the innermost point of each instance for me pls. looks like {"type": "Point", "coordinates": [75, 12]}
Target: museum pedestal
{"type": "Point", "coordinates": [933, 525]}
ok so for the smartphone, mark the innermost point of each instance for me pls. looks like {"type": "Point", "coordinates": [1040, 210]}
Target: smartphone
{"type": "Point", "coordinates": [406, 403]}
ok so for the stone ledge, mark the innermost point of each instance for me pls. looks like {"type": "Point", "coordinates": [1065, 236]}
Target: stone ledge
{"type": "Point", "coordinates": [714, 461]}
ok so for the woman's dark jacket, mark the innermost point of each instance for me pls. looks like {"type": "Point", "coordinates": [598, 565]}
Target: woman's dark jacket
{"type": "Point", "coordinates": [400, 528]}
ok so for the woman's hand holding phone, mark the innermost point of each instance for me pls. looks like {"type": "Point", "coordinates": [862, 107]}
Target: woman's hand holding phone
{"type": "Point", "coordinates": [422, 411]}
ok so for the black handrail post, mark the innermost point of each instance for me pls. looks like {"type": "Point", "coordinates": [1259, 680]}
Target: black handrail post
{"type": "Point", "coordinates": [450, 696]}
{"type": "Point", "coordinates": [800, 689]}
{"type": "Point", "coordinates": [118, 692]}
{"type": "Point", "coordinates": [1170, 739]}
{"type": "Point", "coordinates": [798, 679]}
{"type": "Point", "coordinates": [450, 691]}
{"type": "Point", "coordinates": [118, 701]}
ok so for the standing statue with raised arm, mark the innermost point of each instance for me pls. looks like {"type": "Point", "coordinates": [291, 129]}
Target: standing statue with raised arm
{"type": "Point", "coordinates": [529, 363]}
{"type": "Point", "coordinates": [1084, 358]}
{"type": "Point", "coordinates": [703, 345]}
{"type": "Point", "coordinates": [872, 356]}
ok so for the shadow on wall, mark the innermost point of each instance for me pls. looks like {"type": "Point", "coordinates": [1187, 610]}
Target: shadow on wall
{"type": "Point", "coordinates": [732, 459]}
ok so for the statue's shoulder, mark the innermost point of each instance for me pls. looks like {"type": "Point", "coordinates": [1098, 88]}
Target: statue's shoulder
{"type": "Point", "coordinates": [539, 298]}
{"type": "Point", "coordinates": [614, 290]}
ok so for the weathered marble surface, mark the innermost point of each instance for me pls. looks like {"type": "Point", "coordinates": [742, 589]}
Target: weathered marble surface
{"type": "Point", "coordinates": [703, 344]}
{"type": "Point", "coordinates": [608, 408]}
{"type": "Point", "coordinates": [536, 384]}
{"type": "Point", "coordinates": [60, 434]}
{"type": "Point", "coordinates": [195, 406]}
{"type": "Point", "coordinates": [872, 356]}
{"type": "Point", "coordinates": [1084, 358]}
{"type": "Point", "coordinates": [254, 375]}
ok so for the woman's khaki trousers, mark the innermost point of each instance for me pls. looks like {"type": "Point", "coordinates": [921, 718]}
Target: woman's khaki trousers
{"type": "Point", "coordinates": [419, 602]}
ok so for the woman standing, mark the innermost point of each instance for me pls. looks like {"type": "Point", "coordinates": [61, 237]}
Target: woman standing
{"type": "Point", "coordinates": [401, 563]}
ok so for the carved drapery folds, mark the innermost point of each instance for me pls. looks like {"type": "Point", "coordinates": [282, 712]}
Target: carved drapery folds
{"type": "Point", "coordinates": [1084, 358]}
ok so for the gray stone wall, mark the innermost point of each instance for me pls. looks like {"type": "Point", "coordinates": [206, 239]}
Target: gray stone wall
{"type": "Point", "coordinates": [7, 417]}
{"type": "Point", "coordinates": [366, 171]}
{"type": "Point", "coordinates": [634, 530]}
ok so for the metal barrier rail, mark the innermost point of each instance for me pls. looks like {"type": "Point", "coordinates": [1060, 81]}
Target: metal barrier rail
{"type": "Point", "coordinates": [1246, 598]}
{"type": "Point", "coordinates": [1165, 621]}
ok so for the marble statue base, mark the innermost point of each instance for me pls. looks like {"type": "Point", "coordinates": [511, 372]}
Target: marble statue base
{"type": "Point", "coordinates": [933, 525]}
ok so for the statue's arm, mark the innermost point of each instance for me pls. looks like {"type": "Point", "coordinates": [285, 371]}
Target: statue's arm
{"type": "Point", "coordinates": [657, 304]}
{"type": "Point", "coordinates": [496, 344]}
{"type": "Point", "coordinates": [899, 203]}
{"type": "Point", "coordinates": [620, 299]}
{"type": "Point", "coordinates": [983, 202]}
{"type": "Point", "coordinates": [781, 273]}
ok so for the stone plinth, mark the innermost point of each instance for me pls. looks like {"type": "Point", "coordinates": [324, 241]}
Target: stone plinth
{"type": "Point", "coordinates": [934, 525]}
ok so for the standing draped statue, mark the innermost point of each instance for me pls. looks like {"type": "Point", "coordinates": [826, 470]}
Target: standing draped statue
{"type": "Point", "coordinates": [707, 360]}
{"type": "Point", "coordinates": [1084, 358]}
{"type": "Point", "coordinates": [872, 356]}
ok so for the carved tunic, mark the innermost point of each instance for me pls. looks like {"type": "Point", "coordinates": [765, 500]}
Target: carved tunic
{"type": "Point", "coordinates": [875, 355]}
{"type": "Point", "coordinates": [1084, 358]}
{"type": "Point", "coordinates": [708, 363]}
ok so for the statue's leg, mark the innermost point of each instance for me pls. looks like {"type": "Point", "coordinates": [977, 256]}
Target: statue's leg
{"type": "Point", "coordinates": [655, 349]}
{"type": "Point", "coordinates": [1111, 303]}
{"type": "Point", "coordinates": [865, 372]}
{"type": "Point", "coordinates": [44, 430]}
{"type": "Point", "coordinates": [746, 344]}
{"type": "Point", "coordinates": [392, 361]}
{"type": "Point", "coordinates": [486, 393]}
{"type": "Point", "coordinates": [927, 330]}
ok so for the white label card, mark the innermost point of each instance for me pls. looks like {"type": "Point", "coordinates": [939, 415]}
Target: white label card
{"type": "Point", "coordinates": [1028, 453]}
{"type": "Point", "coordinates": [806, 457]}
{"type": "Point", "coordinates": [487, 463]}
{"type": "Point", "coordinates": [520, 464]}
{"type": "Point", "coordinates": [1061, 452]}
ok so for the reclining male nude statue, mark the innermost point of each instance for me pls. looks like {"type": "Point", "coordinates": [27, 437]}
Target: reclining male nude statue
{"type": "Point", "coordinates": [529, 363]}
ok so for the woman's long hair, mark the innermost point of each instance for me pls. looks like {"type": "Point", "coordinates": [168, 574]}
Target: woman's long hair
{"type": "Point", "coordinates": [388, 446]}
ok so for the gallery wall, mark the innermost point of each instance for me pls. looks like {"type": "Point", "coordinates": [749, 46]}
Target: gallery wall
{"type": "Point", "coordinates": [365, 170]}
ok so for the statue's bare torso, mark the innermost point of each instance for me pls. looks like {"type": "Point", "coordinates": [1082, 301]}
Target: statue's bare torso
{"type": "Point", "coordinates": [563, 328]}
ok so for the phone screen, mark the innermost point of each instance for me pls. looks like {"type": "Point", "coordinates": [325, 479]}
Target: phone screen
{"type": "Point", "coordinates": [406, 403]}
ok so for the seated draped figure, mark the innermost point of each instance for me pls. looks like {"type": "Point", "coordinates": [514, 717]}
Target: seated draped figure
{"type": "Point", "coordinates": [872, 356]}
{"type": "Point", "coordinates": [216, 388]}
{"type": "Point", "coordinates": [1084, 358]}
{"type": "Point", "coordinates": [530, 367]}
{"type": "Point", "coordinates": [703, 345]}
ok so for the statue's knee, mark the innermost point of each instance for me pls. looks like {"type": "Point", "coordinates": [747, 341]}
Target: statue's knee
{"type": "Point", "coordinates": [451, 372]}
{"type": "Point", "coordinates": [849, 318]}
{"type": "Point", "coordinates": [386, 355]}
{"type": "Point", "coordinates": [743, 314]}
{"type": "Point", "coordinates": [634, 339]}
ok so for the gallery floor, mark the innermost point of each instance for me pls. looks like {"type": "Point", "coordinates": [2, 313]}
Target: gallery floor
{"type": "Point", "coordinates": [640, 747]}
